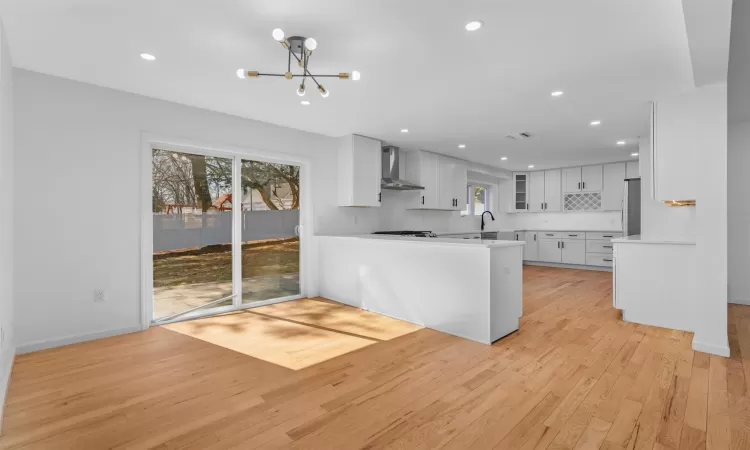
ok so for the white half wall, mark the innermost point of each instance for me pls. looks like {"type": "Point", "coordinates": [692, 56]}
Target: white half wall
{"type": "Point", "coordinates": [7, 198]}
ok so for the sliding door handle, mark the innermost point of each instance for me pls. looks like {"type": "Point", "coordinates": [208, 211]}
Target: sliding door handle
{"type": "Point", "coordinates": [423, 199]}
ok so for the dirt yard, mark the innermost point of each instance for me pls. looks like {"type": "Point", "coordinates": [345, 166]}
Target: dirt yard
{"type": "Point", "coordinates": [214, 263]}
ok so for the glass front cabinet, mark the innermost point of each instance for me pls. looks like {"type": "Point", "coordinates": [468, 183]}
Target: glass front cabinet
{"type": "Point", "coordinates": [520, 191]}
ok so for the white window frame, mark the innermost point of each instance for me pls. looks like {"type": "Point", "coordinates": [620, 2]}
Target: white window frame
{"type": "Point", "coordinates": [470, 212]}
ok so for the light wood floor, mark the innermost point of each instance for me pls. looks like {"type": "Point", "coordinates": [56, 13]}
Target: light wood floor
{"type": "Point", "coordinates": [574, 377]}
{"type": "Point", "coordinates": [296, 334]}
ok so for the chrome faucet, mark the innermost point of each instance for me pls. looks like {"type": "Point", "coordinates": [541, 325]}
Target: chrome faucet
{"type": "Point", "coordinates": [486, 212]}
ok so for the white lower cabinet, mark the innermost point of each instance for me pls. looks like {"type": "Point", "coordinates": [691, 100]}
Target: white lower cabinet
{"type": "Point", "coordinates": [531, 249]}
{"type": "Point", "coordinates": [580, 248]}
{"type": "Point", "coordinates": [574, 251]}
{"type": "Point", "coordinates": [550, 251]}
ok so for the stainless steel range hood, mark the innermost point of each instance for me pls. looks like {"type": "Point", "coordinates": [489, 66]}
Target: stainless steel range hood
{"type": "Point", "coordinates": [391, 178]}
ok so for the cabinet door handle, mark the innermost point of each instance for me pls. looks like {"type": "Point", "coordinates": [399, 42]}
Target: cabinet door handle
{"type": "Point", "coordinates": [572, 235]}
{"type": "Point", "coordinates": [563, 244]}
{"type": "Point", "coordinates": [545, 205]}
{"type": "Point", "coordinates": [606, 246]}
{"type": "Point", "coordinates": [548, 234]}
{"type": "Point", "coordinates": [608, 260]}
{"type": "Point", "coordinates": [423, 199]}
{"type": "Point", "coordinates": [558, 244]}
{"type": "Point", "coordinates": [535, 237]}
{"type": "Point", "coordinates": [380, 196]}
{"type": "Point", "coordinates": [608, 236]}
{"type": "Point", "coordinates": [527, 206]}
{"type": "Point", "coordinates": [579, 185]}
{"type": "Point", "coordinates": [584, 185]}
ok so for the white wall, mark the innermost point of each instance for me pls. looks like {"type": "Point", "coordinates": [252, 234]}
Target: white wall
{"type": "Point", "coordinates": [660, 222]}
{"type": "Point", "coordinates": [77, 157]}
{"type": "Point", "coordinates": [711, 224]}
{"type": "Point", "coordinates": [738, 155]}
{"type": "Point", "coordinates": [7, 198]}
{"type": "Point", "coordinates": [738, 187]}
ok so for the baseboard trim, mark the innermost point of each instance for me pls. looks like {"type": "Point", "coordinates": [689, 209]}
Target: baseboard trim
{"type": "Point", "coordinates": [721, 350]}
{"type": "Point", "coordinates": [6, 379]}
{"type": "Point", "coordinates": [568, 266]}
{"type": "Point", "coordinates": [52, 343]}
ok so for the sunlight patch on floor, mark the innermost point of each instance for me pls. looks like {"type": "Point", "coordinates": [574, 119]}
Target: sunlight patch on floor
{"type": "Point", "coordinates": [296, 334]}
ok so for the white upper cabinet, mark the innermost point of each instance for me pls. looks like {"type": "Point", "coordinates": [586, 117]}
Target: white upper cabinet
{"type": "Point", "coordinates": [633, 170]}
{"type": "Point", "coordinates": [536, 191]}
{"type": "Point", "coordinates": [571, 179]}
{"type": "Point", "coordinates": [520, 191]}
{"type": "Point", "coordinates": [552, 190]}
{"type": "Point", "coordinates": [582, 179]}
{"type": "Point", "coordinates": [444, 180]}
{"type": "Point", "coordinates": [359, 171]}
{"type": "Point", "coordinates": [544, 191]}
{"type": "Point", "coordinates": [613, 187]}
{"type": "Point", "coordinates": [423, 168]}
{"type": "Point", "coordinates": [460, 185]}
{"type": "Point", "coordinates": [591, 178]}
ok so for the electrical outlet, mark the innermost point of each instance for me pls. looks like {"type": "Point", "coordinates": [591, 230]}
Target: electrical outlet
{"type": "Point", "coordinates": [99, 295]}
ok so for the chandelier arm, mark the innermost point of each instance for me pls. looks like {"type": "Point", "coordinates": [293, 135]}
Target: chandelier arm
{"type": "Point", "coordinates": [289, 60]}
{"type": "Point", "coordinates": [307, 72]}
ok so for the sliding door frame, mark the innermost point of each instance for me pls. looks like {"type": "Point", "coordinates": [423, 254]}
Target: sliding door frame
{"type": "Point", "coordinates": [149, 142]}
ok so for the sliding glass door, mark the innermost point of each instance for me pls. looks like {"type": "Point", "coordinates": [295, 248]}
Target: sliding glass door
{"type": "Point", "coordinates": [225, 233]}
{"type": "Point", "coordinates": [270, 224]}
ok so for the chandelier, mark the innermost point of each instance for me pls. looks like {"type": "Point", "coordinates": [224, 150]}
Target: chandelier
{"type": "Point", "coordinates": [300, 49]}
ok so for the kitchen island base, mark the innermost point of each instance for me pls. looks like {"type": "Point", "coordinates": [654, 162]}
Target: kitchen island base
{"type": "Point", "coordinates": [471, 289]}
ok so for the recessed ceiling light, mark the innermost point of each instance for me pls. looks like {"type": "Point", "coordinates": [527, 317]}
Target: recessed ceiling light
{"type": "Point", "coordinates": [504, 158]}
{"type": "Point", "coordinates": [241, 73]}
{"type": "Point", "coordinates": [474, 25]}
{"type": "Point", "coordinates": [304, 102]}
{"type": "Point", "coordinates": [148, 56]}
{"type": "Point", "coordinates": [404, 130]}
{"type": "Point", "coordinates": [595, 123]}
{"type": "Point", "coordinates": [620, 142]}
{"type": "Point", "coordinates": [531, 166]}
{"type": "Point", "coordinates": [557, 93]}
{"type": "Point", "coordinates": [461, 145]}
{"type": "Point", "coordinates": [634, 154]}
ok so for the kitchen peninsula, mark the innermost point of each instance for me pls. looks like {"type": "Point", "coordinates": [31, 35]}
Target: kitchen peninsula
{"type": "Point", "coordinates": [468, 288]}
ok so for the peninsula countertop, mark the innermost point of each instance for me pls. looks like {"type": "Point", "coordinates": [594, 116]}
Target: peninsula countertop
{"type": "Point", "coordinates": [441, 241]}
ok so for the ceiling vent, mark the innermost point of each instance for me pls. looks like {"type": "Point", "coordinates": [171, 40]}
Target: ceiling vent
{"type": "Point", "coordinates": [518, 136]}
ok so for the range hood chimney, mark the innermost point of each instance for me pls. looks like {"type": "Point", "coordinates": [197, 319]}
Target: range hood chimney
{"type": "Point", "coordinates": [391, 178]}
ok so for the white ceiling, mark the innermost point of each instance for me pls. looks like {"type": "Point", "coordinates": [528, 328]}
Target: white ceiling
{"type": "Point", "coordinates": [420, 68]}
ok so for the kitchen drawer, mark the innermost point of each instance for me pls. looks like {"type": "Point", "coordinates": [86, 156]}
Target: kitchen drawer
{"type": "Point", "coordinates": [549, 234]}
{"type": "Point", "coordinates": [601, 236]}
{"type": "Point", "coordinates": [599, 247]}
{"type": "Point", "coordinates": [599, 259]}
{"type": "Point", "coordinates": [573, 235]}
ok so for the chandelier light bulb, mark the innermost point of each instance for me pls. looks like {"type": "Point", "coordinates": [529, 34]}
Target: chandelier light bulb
{"type": "Point", "coordinates": [241, 73]}
{"type": "Point", "coordinates": [311, 44]}
{"type": "Point", "coordinates": [355, 75]}
{"type": "Point", "coordinates": [323, 91]}
{"type": "Point", "coordinates": [278, 34]}
{"type": "Point", "coordinates": [301, 90]}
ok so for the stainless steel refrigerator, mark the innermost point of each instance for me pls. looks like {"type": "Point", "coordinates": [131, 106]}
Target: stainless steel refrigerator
{"type": "Point", "coordinates": [631, 207]}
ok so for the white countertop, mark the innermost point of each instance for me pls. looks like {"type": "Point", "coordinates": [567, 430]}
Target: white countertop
{"type": "Point", "coordinates": [637, 239]}
{"type": "Point", "coordinates": [571, 229]}
{"type": "Point", "coordinates": [431, 241]}
{"type": "Point", "coordinates": [457, 233]}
